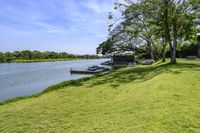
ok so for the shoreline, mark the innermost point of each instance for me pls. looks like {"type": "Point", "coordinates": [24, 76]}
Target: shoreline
{"type": "Point", "coordinates": [41, 60]}
{"type": "Point", "coordinates": [61, 85]}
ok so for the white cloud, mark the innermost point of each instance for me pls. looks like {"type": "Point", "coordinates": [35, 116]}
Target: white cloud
{"type": "Point", "coordinates": [99, 7]}
{"type": "Point", "coordinates": [62, 20]}
{"type": "Point", "coordinates": [50, 28]}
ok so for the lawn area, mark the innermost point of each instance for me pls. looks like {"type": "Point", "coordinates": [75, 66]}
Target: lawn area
{"type": "Point", "coordinates": [157, 98]}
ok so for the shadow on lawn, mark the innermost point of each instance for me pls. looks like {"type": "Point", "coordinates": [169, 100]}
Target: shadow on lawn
{"type": "Point", "coordinates": [141, 74]}
{"type": "Point", "coordinates": [133, 74]}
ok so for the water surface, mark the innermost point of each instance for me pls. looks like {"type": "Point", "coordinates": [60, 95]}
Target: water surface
{"type": "Point", "coordinates": [22, 79]}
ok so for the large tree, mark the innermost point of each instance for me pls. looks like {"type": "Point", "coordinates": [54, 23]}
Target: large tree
{"type": "Point", "coordinates": [168, 22]}
{"type": "Point", "coordinates": [179, 23]}
{"type": "Point", "coordinates": [119, 42]}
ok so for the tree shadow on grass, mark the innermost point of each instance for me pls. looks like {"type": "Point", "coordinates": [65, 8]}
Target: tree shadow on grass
{"type": "Point", "coordinates": [141, 74]}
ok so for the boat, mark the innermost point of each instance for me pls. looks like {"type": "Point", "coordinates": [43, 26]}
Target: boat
{"type": "Point", "coordinates": [91, 70]}
{"type": "Point", "coordinates": [94, 68]}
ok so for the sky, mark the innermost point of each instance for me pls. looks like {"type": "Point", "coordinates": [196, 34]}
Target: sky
{"type": "Point", "coordinates": [74, 26]}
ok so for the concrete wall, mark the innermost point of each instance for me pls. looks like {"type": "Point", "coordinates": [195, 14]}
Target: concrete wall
{"type": "Point", "coordinates": [123, 59]}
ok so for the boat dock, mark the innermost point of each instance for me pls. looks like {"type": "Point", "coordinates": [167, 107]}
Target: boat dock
{"type": "Point", "coordinates": [84, 72]}
{"type": "Point", "coordinates": [90, 70]}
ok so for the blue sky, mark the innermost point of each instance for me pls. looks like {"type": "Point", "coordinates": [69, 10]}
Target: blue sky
{"type": "Point", "coordinates": [74, 26]}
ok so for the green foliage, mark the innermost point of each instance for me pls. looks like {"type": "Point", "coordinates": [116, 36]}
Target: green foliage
{"type": "Point", "coordinates": [119, 42]}
{"type": "Point", "coordinates": [8, 57]}
{"type": "Point", "coordinates": [37, 56]}
{"type": "Point", "coordinates": [156, 23]}
{"type": "Point", "coordinates": [2, 58]}
{"type": "Point", "coordinates": [106, 47]}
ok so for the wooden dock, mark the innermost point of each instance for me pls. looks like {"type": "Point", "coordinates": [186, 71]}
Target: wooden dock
{"type": "Point", "coordinates": [89, 71]}
{"type": "Point", "coordinates": [84, 72]}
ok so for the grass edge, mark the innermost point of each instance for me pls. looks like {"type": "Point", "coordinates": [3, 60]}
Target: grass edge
{"type": "Point", "coordinates": [58, 86]}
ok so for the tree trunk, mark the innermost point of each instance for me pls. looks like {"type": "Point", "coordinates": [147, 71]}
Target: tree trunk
{"type": "Point", "coordinates": [164, 56]}
{"type": "Point", "coordinates": [175, 32]}
{"type": "Point", "coordinates": [156, 51]}
{"type": "Point", "coordinates": [150, 50]}
{"type": "Point", "coordinates": [167, 28]}
{"type": "Point", "coordinates": [198, 46]}
{"type": "Point", "coordinates": [173, 60]}
{"type": "Point", "coordinates": [164, 53]}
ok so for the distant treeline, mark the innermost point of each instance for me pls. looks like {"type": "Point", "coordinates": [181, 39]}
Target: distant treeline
{"type": "Point", "coordinates": [37, 55]}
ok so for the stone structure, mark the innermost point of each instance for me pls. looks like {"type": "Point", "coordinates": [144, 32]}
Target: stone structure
{"type": "Point", "coordinates": [122, 60]}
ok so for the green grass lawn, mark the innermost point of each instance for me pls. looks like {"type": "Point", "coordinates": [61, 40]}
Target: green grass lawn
{"type": "Point", "coordinates": [157, 98]}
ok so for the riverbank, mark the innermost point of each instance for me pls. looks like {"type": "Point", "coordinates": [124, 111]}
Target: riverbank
{"type": "Point", "coordinates": [60, 85]}
{"type": "Point", "coordinates": [22, 79]}
{"type": "Point", "coordinates": [45, 60]}
{"type": "Point", "coordinates": [157, 98]}
{"type": "Point", "coordinates": [38, 56]}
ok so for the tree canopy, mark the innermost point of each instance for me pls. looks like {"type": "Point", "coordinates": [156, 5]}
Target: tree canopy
{"type": "Point", "coordinates": [34, 55]}
{"type": "Point", "coordinates": [156, 24]}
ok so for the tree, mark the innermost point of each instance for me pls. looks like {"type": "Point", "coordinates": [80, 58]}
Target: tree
{"type": "Point", "coordinates": [166, 21]}
{"type": "Point", "coordinates": [137, 24]}
{"type": "Point", "coordinates": [176, 20]}
{"type": "Point", "coordinates": [119, 42]}
{"type": "Point", "coordinates": [106, 47]}
{"type": "Point", "coordinates": [9, 57]}
{"type": "Point", "coordinates": [33, 55]}
{"type": "Point", "coordinates": [2, 58]}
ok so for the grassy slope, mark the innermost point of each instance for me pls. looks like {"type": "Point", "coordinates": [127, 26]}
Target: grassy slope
{"type": "Point", "coordinates": [158, 98]}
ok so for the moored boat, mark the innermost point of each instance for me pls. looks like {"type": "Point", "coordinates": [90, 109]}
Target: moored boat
{"type": "Point", "coordinates": [91, 70]}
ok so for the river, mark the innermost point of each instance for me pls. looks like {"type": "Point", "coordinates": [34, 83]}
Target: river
{"type": "Point", "coordinates": [22, 79]}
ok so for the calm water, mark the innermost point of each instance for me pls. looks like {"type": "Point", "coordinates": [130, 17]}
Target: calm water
{"type": "Point", "coordinates": [21, 79]}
